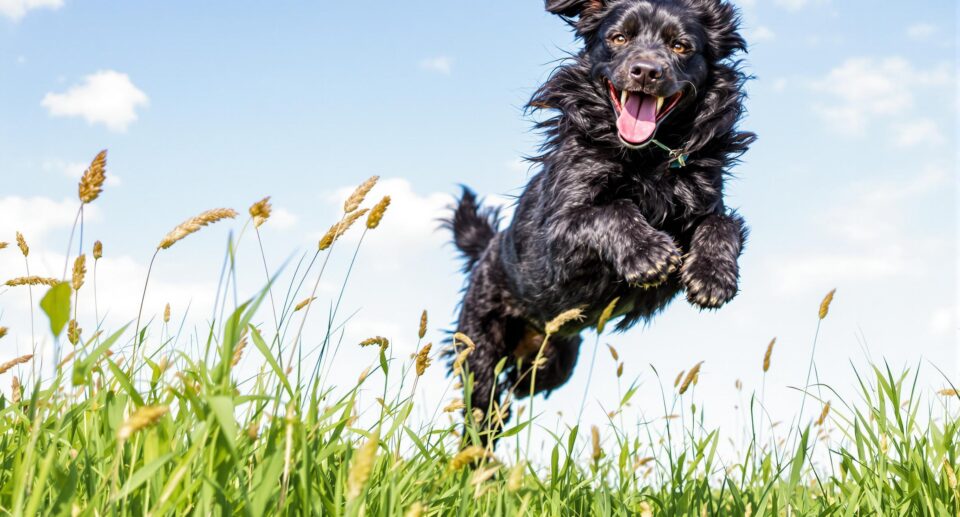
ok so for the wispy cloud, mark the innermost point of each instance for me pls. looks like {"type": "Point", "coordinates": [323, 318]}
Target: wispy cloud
{"type": "Point", "coordinates": [17, 9]}
{"type": "Point", "coordinates": [921, 31]}
{"type": "Point", "coordinates": [865, 91]}
{"type": "Point", "coordinates": [439, 64]}
{"type": "Point", "coordinates": [105, 97]}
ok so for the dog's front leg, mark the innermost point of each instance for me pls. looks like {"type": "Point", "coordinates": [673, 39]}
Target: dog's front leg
{"type": "Point", "coordinates": [710, 272]}
{"type": "Point", "coordinates": [620, 234]}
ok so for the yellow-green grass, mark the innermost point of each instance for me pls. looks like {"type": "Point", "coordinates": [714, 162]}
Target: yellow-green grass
{"type": "Point", "coordinates": [125, 424]}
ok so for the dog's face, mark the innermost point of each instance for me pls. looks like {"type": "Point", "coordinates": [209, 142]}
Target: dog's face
{"type": "Point", "coordinates": [650, 56]}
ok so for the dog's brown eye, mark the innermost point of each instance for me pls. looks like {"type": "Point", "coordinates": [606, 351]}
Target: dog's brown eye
{"type": "Point", "coordinates": [618, 39]}
{"type": "Point", "coordinates": [680, 47]}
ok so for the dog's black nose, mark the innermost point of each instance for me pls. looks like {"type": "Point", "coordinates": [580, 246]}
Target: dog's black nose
{"type": "Point", "coordinates": [646, 71]}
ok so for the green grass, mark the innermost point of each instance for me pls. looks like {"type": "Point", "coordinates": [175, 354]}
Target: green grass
{"type": "Point", "coordinates": [283, 441]}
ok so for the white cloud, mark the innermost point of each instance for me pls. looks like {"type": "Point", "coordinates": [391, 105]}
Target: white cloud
{"type": "Point", "coordinates": [283, 219]}
{"type": "Point", "coordinates": [866, 238]}
{"type": "Point", "coordinates": [761, 33]}
{"type": "Point", "coordinates": [74, 170]}
{"type": "Point", "coordinates": [439, 64]}
{"type": "Point", "coordinates": [35, 217]}
{"type": "Point", "coordinates": [921, 31]}
{"type": "Point", "coordinates": [796, 5]}
{"type": "Point", "coordinates": [17, 9]}
{"type": "Point", "coordinates": [780, 84]}
{"type": "Point", "coordinates": [106, 97]}
{"type": "Point", "coordinates": [911, 133]}
{"type": "Point", "coordinates": [865, 91]}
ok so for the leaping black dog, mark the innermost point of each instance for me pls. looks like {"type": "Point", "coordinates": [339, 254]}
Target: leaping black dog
{"type": "Point", "coordinates": [628, 201]}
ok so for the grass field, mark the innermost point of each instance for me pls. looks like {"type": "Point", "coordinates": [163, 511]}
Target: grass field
{"type": "Point", "coordinates": [122, 423]}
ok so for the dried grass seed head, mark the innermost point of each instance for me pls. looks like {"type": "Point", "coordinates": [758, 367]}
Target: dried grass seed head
{"type": "Point", "coordinates": [356, 198]}
{"type": "Point", "coordinates": [91, 183]}
{"type": "Point", "coordinates": [260, 211]}
{"type": "Point", "coordinates": [376, 213]}
{"type": "Point", "coordinates": [194, 224]}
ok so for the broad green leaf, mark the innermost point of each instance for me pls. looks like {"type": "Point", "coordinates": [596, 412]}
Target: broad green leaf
{"type": "Point", "coordinates": [56, 305]}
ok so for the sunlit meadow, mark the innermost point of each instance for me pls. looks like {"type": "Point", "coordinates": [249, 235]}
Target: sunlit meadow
{"type": "Point", "coordinates": [130, 421]}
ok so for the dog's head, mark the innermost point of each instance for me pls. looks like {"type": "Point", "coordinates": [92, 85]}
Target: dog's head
{"type": "Point", "coordinates": [652, 57]}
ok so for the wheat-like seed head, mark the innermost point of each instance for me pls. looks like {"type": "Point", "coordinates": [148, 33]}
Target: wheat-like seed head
{"type": "Point", "coordinates": [676, 381]}
{"type": "Point", "coordinates": [463, 338]}
{"type": "Point", "coordinates": [691, 375]}
{"type": "Point", "coordinates": [73, 332]}
{"type": "Point", "coordinates": [3, 331]}
{"type": "Point", "coordinates": [13, 362]}
{"type": "Point", "coordinates": [645, 510]}
{"type": "Point", "coordinates": [380, 341]}
{"type": "Point", "coordinates": [620, 370]}
{"type": "Point", "coordinates": [166, 313]}
{"type": "Point", "coordinates": [32, 280]}
{"type": "Point", "coordinates": [951, 474]}
{"type": "Point", "coordinates": [423, 359]}
{"type": "Point", "coordinates": [22, 244]}
{"type": "Point", "coordinates": [194, 224]}
{"type": "Point", "coordinates": [823, 414]}
{"type": "Point", "coordinates": [362, 466]}
{"type": "Point", "coordinates": [91, 183]}
{"type": "Point", "coordinates": [3, 245]}
{"type": "Point", "coordinates": [454, 405]}
{"type": "Point", "coordinates": [63, 362]}
{"type": "Point", "coordinates": [300, 306]}
{"type": "Point", "coordinates": [423, 324]}
{"type": "Point", "coordinates": [376, 213]}
{"type": "Point", "coordinates": [79, 272]}
{"type": "Point", "coordinates": [140, 419]}
{"type": "Point", "coordinates": [825, 304]}
{"type": "Point", "coordinates": [97, 250]}
{"type": "Point", "coordinates": [554, 325]}
{"type": "Point", "coordinates": [15, 390]}
{"type": "Point", "coordinates": [338, 229]}
{"type": "Point", "coordinates": [606, 314]}
{"type": "Point", "coordinates": [468, 455]}
{"type": "Point", "coordinates": [767, 354]}
{"type": "Point", "coordinates": [260, 211]}
{"type": "Point", "coordinates": [461, 359]}
{"type": "Point", "coordinates": [515, 480]}
{"type": "Point", "coordinates": [356, 198]}
{"type": "Point", "coordinates": [949, 392]}
{"type": "Point", "coordinates": [238, 352]}
{"type": "Point", "coordinates": [415, 510]}
{"type": "Point", "coordinates": [738, 384]}
{"type": "Point", "coordinates": [595, 441]}
{"type": "Point", "coordinates": [613, 352]}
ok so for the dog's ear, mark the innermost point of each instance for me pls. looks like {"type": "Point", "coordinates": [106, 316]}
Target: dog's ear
{"type": "Point", "coordinates": [573, 8]}
{"type": "Point", "coordinates": [722, 22]}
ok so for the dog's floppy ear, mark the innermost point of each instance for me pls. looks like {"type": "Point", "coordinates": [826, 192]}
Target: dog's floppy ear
{"type": "Point", "coordinates": [572, 8]}
{"type": "Point", "coordinates": [722, 21]}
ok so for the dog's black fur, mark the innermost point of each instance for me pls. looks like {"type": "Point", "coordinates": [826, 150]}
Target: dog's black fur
{"type": "Point", "coordinates": [603, 219]}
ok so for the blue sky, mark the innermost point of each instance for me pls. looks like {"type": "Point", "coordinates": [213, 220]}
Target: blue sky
{"type": "Point", "coordinates": [852, 183]}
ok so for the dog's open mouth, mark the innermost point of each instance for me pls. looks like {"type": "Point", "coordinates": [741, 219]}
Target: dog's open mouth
{"type": "Point", "coordinates": [638, 114]}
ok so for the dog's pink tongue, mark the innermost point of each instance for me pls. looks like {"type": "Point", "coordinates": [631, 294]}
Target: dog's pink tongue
{"type": "Point", "coordinates": [638, 119]}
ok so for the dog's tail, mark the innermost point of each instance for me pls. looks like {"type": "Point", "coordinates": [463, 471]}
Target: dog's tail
{"type": "Point", "coordinates": [473, 227]}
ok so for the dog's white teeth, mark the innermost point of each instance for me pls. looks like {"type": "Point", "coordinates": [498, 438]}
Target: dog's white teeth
{"type": "Point", "coordinates": [624, 95]}
{"type": "Point", "coordinates": [659, 103]}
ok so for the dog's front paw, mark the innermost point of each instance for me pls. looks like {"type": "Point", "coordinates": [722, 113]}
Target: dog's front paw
{"type": "Point", "coordinates": [651, 262]}
{"type": "Point", "coordinates": [710, 283]}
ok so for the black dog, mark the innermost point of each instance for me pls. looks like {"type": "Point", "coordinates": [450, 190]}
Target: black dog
{"type": "Point", "coordinates": [629, 199]}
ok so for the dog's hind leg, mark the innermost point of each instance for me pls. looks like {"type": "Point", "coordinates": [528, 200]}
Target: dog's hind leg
{"type": "Point", "coordinates": [557, 362]}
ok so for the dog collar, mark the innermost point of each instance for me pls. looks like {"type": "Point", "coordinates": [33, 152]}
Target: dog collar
{"type": "Point", "coordinates": [678, 158]}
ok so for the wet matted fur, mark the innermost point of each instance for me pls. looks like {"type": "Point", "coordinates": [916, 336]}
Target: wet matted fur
{"type": "Point", "coordinates": [611, 213]}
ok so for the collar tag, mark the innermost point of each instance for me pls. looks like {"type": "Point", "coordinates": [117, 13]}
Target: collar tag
{"type": "Point", "coordinates": [678, 158]}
